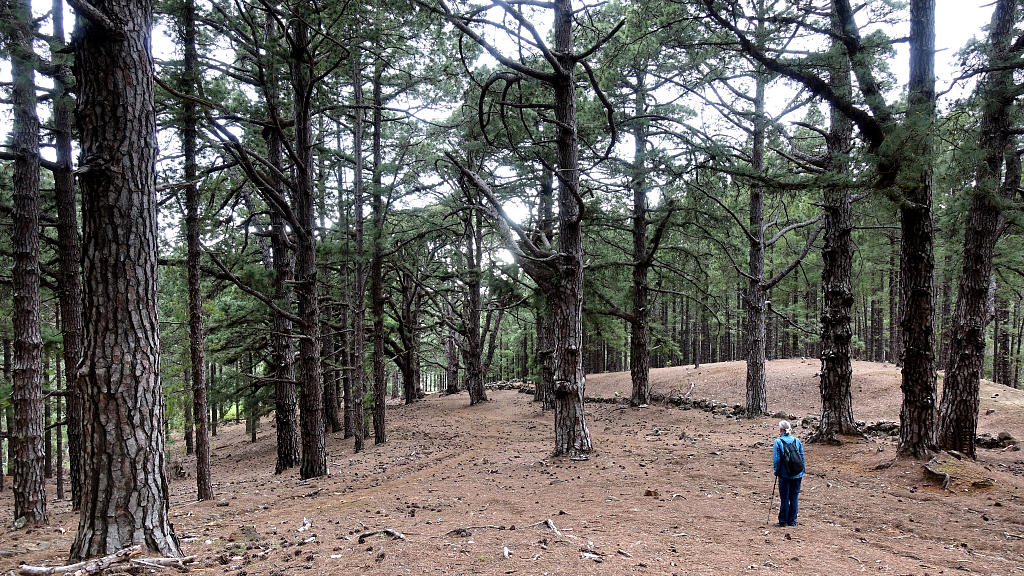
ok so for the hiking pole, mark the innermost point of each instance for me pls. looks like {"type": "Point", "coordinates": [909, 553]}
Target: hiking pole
{"type": "Point", "coordinates": [771, 501]}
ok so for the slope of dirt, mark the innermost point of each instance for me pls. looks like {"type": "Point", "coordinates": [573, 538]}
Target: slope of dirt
{"type": "Point", "coordinates": [668, 491]}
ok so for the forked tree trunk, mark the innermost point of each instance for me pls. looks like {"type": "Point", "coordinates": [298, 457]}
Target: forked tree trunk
{"type": "Point", "coordinates": [26, 393]}
{"type": "Point", "coordinates": [124, 490]}
{"type": "Point", "coordinates": [70, 246]}
{"type": "Point", "coordinates": [917, 261]}
{"type": "Point", "coordinates": [189, 121]}
{"type": "Point", "coordinates": [311, 407]}
{"type": "Point", "coordinates": [958, 410]}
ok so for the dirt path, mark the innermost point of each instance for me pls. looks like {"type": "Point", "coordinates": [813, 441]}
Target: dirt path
{"type": "Point", "coordinates": [669, 491]}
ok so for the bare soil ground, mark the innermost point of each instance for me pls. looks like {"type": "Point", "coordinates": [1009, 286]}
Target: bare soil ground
{"type": "Point", "coordinates": [668, 491]}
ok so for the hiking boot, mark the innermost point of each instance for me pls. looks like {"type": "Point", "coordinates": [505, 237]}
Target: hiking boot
{"type": "Point", "coordinates": [781, 524]}
{"type": "Point", "coordinates": [793, 523]}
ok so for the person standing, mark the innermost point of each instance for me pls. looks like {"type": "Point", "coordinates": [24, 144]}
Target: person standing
{"type": "Point", "coordinates": [788, 460]}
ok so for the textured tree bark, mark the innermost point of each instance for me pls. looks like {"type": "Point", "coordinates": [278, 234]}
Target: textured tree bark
{"type": "Point", "coordinates": [837, 270]}
{"type": "Point", "coordinates": [188, 128]}
{"type": "Point", "coordinates": [359, 279]}
{"type": "Point", "coordinates": [26, 393]}
{"type": "Point", "coordinates": [473, 349]}
{"type": "Point", "coordinates": [332, 416]}
{"type": "Point", "coordinates": [190, 446]}
{"type": "Point", "coordinates": [917, 262]}
{"type": "Point", "coordinates": [377, 264]}
{"type": "Point", "coordinates": [572, 437]}
{"type": "Point", "coordinates": [755, 301]}
{"type": "Point", "coordinates": [451, 349]}
{"type": "Point", "coordinates": [48, 430]}
{"type": "Point", "coordinates": [281, 344]}
{"type": "Point", "coordinates": [124, 491]}
{"type": "Point", "coordinates": [69, 243]}
{"type": "Point", "coordinates": [958, 409]}
{"type": "Point", "coordinates": [311, 407]}
{"type": "Point", "coordinates": [639, 341]}
{"type": "Point", "coordinates": [347, 367]}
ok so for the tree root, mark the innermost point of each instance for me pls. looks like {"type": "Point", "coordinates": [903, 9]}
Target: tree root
{"type": "Point", "coordinates": [937, 475]}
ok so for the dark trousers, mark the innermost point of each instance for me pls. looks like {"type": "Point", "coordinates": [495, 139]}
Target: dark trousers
{"type": "Point", "coordinates": [789, 492]}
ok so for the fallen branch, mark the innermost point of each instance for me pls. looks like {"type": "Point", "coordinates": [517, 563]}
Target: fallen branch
{"type": "Point", "coordinates": [468, 530]}
{"type": "Point", "coordinates": [85, 567]}
{"type": "Point", "coordinates": [161, 562]}
{"type": "Point", "coordinates": [1012, 535]}
{"type": "Point", "coordinates": [548, 523]}
{"type": "Point", "coordinates": [393, 533]}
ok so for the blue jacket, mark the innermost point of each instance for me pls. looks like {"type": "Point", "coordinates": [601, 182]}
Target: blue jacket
{"type": "Point", "coordinates": [777, 455]}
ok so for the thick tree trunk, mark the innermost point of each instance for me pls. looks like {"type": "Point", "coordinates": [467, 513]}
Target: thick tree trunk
{"type": "Point", "coordinates": [26, 394]}
{"type": "Point", "coordinates": [189, 127]}
{"type": "Point", "coordinates": [917, 263]}
{"type": "Point", "coordinates": [958, 410]}
{"type": "Point", "coordinates": [311, 407]}
{"type": "Point", "coordinates": [70, 247]}
{"type": "Point", "coordinates": [572, 437]}
{"type": "Point", "coordinates": [124, 491]}
{"type": "Point", "coordinates": [473, 350]}
{"type": "Point", "coordinates": [837, 275]}
{"type": "Point", "coordinates": [755, 302]}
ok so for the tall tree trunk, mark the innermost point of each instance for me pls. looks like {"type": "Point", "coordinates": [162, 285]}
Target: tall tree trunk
{"type": "Point", "coordinates": [472, 351]}
{"type": "Point", "coordinates": [47, 422]}
{"type": "Point", "coordinates": [26, 394]}
{"type": "Point", "coordinates": [189, 126]}
{"type": "Point", "coordinates": [755, 302]}
{"type": "Point", "coordinates": [332, 417]}
{"type": "Point", "coordinates": [69, 243]}
{"type": "Point", "coordinates": [837, 272]}
{"type": "Point", "coordinates": [281, 343]}
{"type": "Point", "coordinates": [451, 349]}
{"type": "Point", "coordinates": [958, 410]}
{"type": "Point", "coordinates": [347, 367]}
{"type": "Point", "coordinates": [572, 437]}
{"type": "Point", "coordinates": [190, 447]}
{"type": "Point", "coordinates": [311, 407]}
{"type": "Point", "coordinates": [917, 262]}
{"type": "Point", "coordinates": [639, 344]}
{"type": "Point", "coordinates": [377, 265]}
{"type": "Point", "coordinates": [124, 490]}
{"type": "Point", "coordinates": [359, 282]}
{"type": "Point", "coordinates": [59, 470]}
